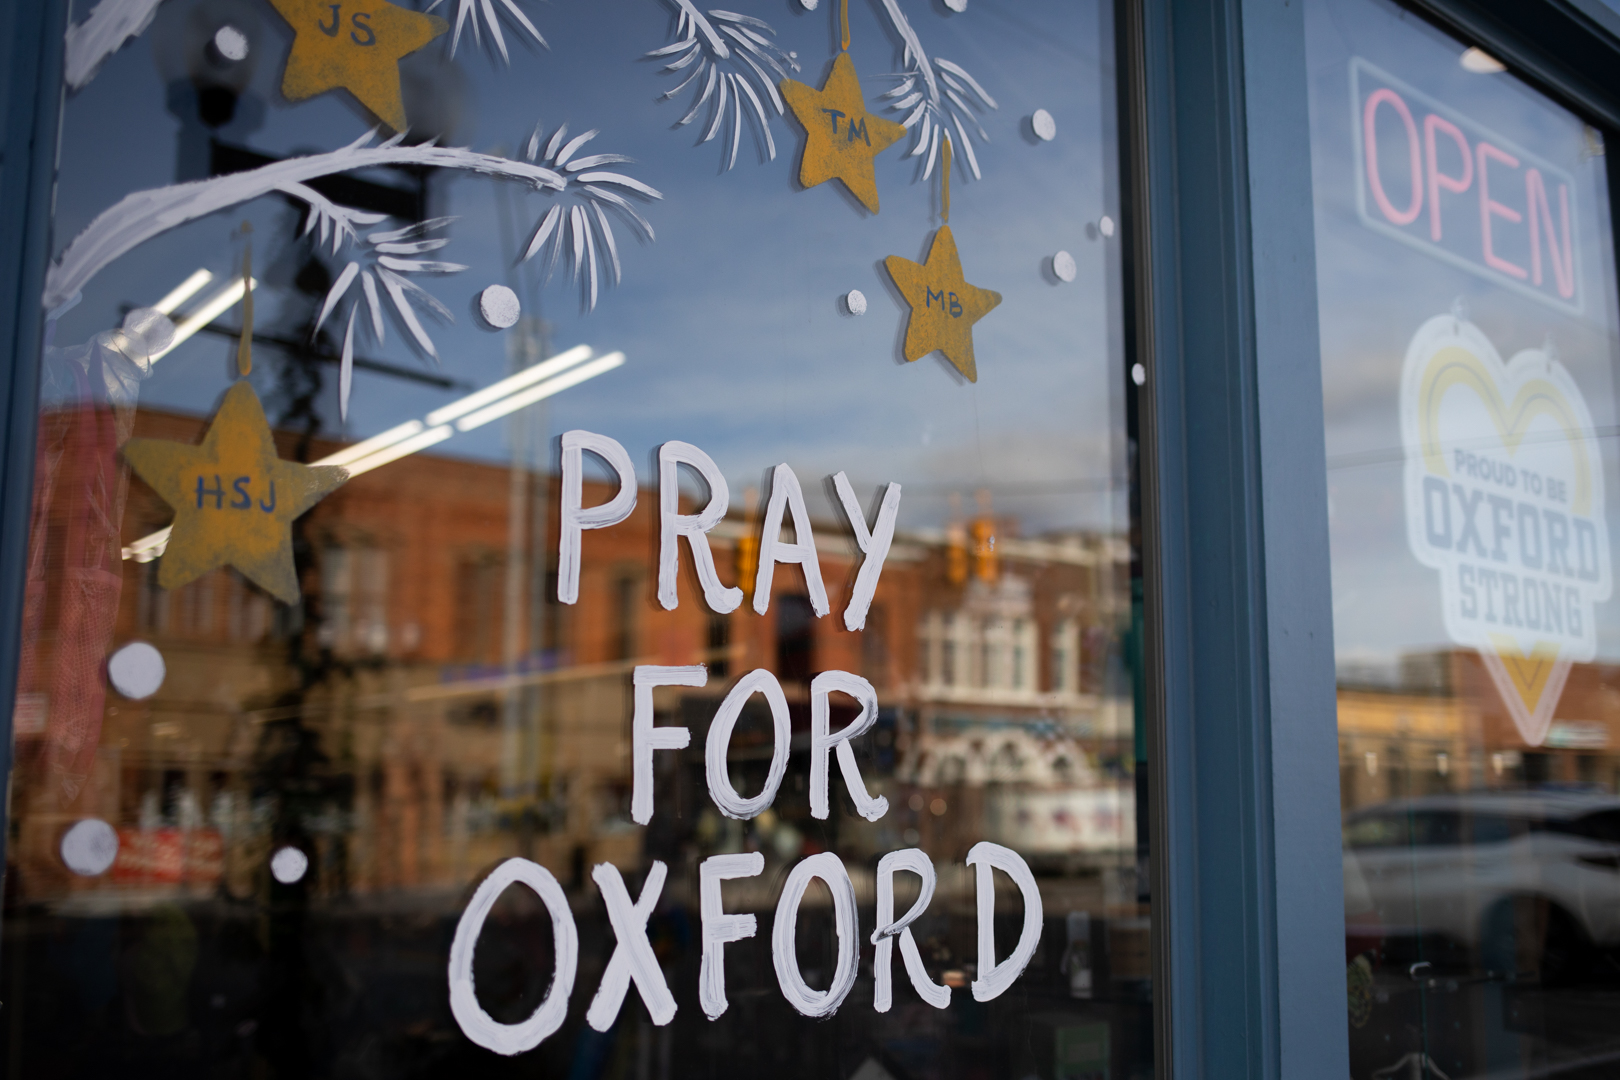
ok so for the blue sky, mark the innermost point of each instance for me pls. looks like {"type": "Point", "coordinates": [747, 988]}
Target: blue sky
{"type": "Point", "coordinates": [731, 321]}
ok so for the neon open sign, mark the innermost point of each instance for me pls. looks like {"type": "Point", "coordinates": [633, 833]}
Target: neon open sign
{"type": "Point", "coordinates": [1451, 187]}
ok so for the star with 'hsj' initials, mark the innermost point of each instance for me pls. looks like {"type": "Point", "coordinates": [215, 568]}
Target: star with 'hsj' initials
{"type": "Point", "coordinates": [234, 499]}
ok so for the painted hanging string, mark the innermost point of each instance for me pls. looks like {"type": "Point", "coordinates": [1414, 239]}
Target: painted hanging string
{"type": "Point", "coordinates": [944, 306]}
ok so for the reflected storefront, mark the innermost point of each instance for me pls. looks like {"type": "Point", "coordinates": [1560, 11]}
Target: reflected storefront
{"type": "Point", "coordinates": [877, 540]}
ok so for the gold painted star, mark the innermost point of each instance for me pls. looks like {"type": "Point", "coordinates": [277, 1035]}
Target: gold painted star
{"type": "Point", "coordinates": [234, 500]}
{"type": "Point", "coordinates": [354, 45]}
{"type": "Point", "coordinates": [944, 306]}
{"type": "Point", "coordinates": [842, 137]}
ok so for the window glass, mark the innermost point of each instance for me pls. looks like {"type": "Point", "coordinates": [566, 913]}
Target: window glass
{"type": "Point", "coordinates": [1465, 263]}
{"type": "Point", "coordinates": [583, 539]}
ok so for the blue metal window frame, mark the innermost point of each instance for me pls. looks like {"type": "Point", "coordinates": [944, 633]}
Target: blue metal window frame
{"type": "Point", "coordinates": [1248, 873]}
{"type": "Point", "coordinates": [31, 36]}
{"type": "Point", "coordinates": [1249, 917]}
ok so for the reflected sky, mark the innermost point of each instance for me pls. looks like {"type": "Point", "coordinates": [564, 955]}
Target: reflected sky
{"type": "Point", "coordinates": [732, 320]}
{"type": "Point", "coordinates": [1376, 292]}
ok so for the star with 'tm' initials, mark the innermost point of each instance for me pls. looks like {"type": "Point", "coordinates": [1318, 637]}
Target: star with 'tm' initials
{"type": "Point", "coordinates": [842, 138]}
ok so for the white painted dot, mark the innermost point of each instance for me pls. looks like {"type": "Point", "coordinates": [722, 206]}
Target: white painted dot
{"type": "Point", "coordinates": [956, 5]}
{"type": "Point", "coordinates": [809, 5]}
{"type": "Point", "coordinates": [499, 306]}
{"type": "Point", "coordinates": [136, 671]}
{"type": "Point", "coordinates": [231, 43]}
{"type": "Point", "coordinates": [146, 332]}
{"type": "Point", "coordinates": [289, 865]}
{"type": "Point", "coordinates": [1063, 266]}
{"type": "Point", "coordinates": [89, 847]}
{"type": "Point", "coordinates": [1138, 374]}
{"type": "Point", "coordinates": [1045, 127]}
{"type": "Point", "coordinates": [855, 300]}
{"type": "Point", "coordinates": [1105, 225]}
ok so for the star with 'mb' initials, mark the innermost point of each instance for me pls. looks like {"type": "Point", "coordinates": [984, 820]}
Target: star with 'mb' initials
{"type": "Point", "coordinates": [354, 45]}
{"type": "Point", "coordinates": [944, 306]}
{"type": "Point", "coordinates": [842, 138]}
{"type": "Point", "coordinates": [234, 500]}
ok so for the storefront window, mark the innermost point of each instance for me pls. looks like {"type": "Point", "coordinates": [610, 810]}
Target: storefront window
{"type": "Point", "coordinates": [1469, 332]}
{"type": "Point", "coordinates": [557, 526]}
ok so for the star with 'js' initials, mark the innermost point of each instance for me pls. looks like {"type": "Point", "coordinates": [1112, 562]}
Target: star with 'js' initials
{"type": "Point", "coordinates": [354, 45]}
{"type": "Point", "coordinates": [234, 500]}
{"type": "Point", "coordinates": [944, 306]}
{"type": "Point", "coordinates": [842, 138]}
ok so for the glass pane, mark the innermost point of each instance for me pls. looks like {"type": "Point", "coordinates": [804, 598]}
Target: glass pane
{"type": "Point", "coordinates": [1465, 263]}
{"type": "Point", "coordinates": [492, 642]}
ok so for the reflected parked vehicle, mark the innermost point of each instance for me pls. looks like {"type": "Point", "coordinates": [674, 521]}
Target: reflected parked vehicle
{"type": "Point", "coordinates": [1498, 883]}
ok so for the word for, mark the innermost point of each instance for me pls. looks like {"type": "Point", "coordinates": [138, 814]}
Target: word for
{"type": "Point", "coordinates": [361, 21]}
{"type": "Point", "coordinates": [1480, 467]}
{"type": "Point", "coordinates": [786, 501]}
{"type": "Point", "coordinates": [633, 959]}
{"type": "Point", "coordinates": [855, 128]}
{"type": "Point", "coordinates": [1462, 192]}
{"type": "Point", "coordinates": [241, 498]}
{"type": "Point", "coordinates": [645, 738]}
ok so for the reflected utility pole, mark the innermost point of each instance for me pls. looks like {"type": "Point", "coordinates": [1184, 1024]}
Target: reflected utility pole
{"type": "Point", "coordinates": [525, 572]}
{"type": "Point", "coordinates": [528, 343]}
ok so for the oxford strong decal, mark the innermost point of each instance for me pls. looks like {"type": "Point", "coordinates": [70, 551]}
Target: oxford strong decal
{"type": "Point", "coordinates": [1504, 499]}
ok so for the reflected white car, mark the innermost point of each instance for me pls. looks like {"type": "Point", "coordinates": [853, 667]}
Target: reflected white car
{"type": "Point", "coordinates": [1456, 865]}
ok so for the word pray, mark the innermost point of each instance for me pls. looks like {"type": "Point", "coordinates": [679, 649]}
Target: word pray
{"type": "Point", "coordinates": [633, 959]}
{"type": "Point", "coordinates": [786, 501]}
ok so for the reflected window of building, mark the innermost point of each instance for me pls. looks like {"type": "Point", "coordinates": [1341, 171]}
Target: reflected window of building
{"type": "Point", "coordinates": [626, 601]}
{"type": "Point", "coordinates": [479, 606]}
{"type": "Point", "coordinates": [795, 638]}
{"type": "Point", "coordinates": [875, 647]}
{"type": "Point", "coordinates": [719, 642]}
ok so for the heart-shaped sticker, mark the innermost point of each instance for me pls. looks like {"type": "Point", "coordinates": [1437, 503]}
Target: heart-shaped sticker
{"type": "Point", "coordinates": [1504, 497]}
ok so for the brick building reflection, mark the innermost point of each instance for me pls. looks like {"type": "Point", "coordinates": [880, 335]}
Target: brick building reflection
{"type": "Point", "coordinates": [1433, 723]}
{"type": "Point", "coordinates": [430, 708]}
